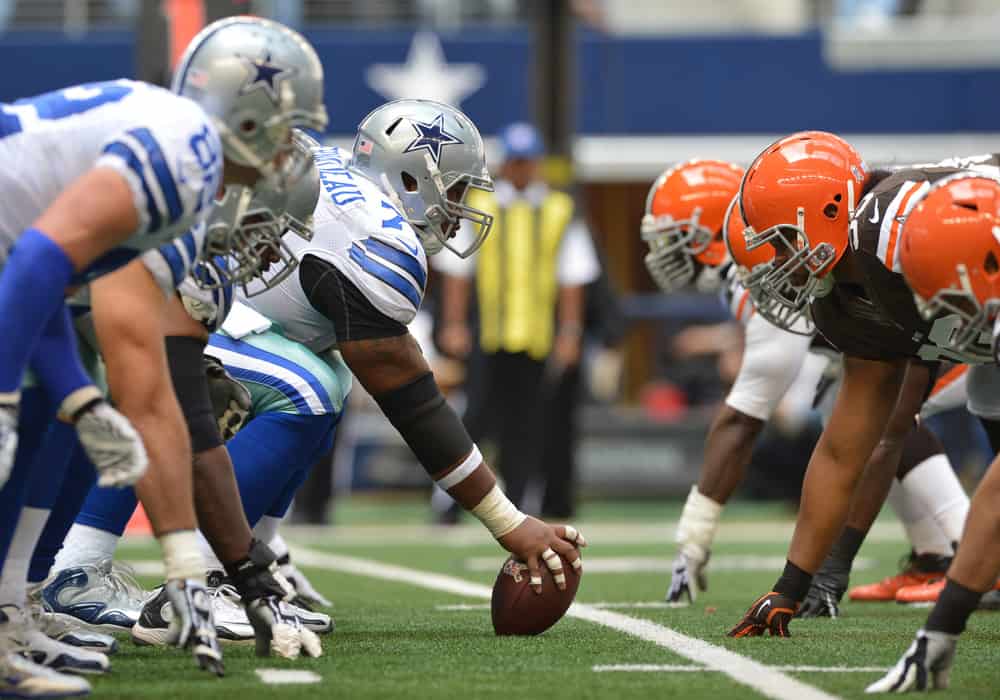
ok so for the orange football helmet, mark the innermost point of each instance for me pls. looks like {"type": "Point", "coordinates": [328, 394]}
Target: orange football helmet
{"type": "Point", "coordinates": [798, 196]}
{"type": "Point", "coordinates": [950, 255]}
{"type": "Point", "coordinates": [752, 266]}
{"type": "Point", "coordinates": [685, 208]}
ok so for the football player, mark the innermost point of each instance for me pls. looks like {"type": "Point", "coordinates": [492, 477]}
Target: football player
{"type": "Point", "coordinates": [684, 226]}
{"type": "Point", "coordinates": [146, 162]}
{"type": "Point", "coordinates": [950, 256]}
{"type": "Point", "coordinates": [834, 227]}
{"type": "Point", "coordinates": [77, 586]}
{"type": "Point", "coordinates": [399, 196]}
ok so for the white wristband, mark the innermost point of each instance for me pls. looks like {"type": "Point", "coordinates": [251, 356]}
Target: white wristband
{"type": "Point", "coordinates": [182, 558]}
{"type": "Point", "coordinates": [77, 400]}
{"type": "Point", "coordinates": [462, 471]}
{"type": "Point", "coordinates": [498, 513]}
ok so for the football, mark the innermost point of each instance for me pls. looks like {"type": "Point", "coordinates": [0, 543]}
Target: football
{"type": "Point", "coordinates": [517, 610]}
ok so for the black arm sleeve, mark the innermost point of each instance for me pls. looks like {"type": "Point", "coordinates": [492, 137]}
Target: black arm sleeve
{"type": "Point", "coordinates": [337, 298]}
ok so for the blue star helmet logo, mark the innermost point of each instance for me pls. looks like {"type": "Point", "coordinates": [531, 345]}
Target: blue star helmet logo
{"type": "Point", "coordinates": [264, 75]}
{"type": "Point", "coordinates": [432, 138]}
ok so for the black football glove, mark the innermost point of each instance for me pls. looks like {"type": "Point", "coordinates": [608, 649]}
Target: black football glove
{"type": "Point", "coordinates": [827, 589]}
{"type": "Point", "coordinates": [769, 613]}
{"type": "Point", "coordinates": [231, 401]}
{"type": "Point", "coordinates": [265, 593]}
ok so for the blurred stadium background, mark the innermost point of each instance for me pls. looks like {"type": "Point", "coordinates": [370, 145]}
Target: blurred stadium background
{"type": "Point", "coordinates": [621, 89]}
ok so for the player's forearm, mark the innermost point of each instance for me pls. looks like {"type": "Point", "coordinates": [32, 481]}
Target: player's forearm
{"type": "Point", "coordinates": [863, 408]}
{"type": "Point", "coordinates": [220, 510]}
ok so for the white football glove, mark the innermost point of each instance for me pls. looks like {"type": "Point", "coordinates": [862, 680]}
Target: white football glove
{"type": "Point", "coordinates": [929, 658]}
{"type": "Point", "coordinates": [305, 592]}
{"type": "Point", "coordinates": [112, 444]}
{"type": "Point", "coordinates": [8, 440]}
{"type": "Point", "coordinates": [192, 625]}
{"type": "Point", "coordinates": [278, 630]}
{"type": "Point", "coordinates": [687, 578]}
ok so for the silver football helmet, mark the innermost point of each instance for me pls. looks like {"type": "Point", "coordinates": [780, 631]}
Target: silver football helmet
{"type": "Point", "coordinates": [426, 156]}
{"type": "Point", "coordinates": [256, 79]}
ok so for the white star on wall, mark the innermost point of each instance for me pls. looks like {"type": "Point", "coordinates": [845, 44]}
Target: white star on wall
{"type": "Point", "coordinates": [426, 74]}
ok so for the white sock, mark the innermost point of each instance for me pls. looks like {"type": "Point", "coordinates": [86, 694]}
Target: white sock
{"type": "Point", "coordinates": [211, 561]}
{"type": "Point", "coordinates": [14, 579]}
{"type": "Point", "coordinates": [86, 546]}
{"type": "Point", "coordinates": [922, 530]}
{"type": "Point", "coordinates": [934, 484]}
{"type": "Point", "coordinates": [266, 529]}
{"type": "Point", "coordinates": [697, 526]}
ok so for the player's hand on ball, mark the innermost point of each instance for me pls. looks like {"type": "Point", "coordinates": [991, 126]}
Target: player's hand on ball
{"type": "Point", "coordinates": [538, 544]}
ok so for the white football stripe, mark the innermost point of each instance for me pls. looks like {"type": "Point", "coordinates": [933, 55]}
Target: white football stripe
{"type": "Point", "coordinates": [762, 678]}
{"type": "Point", "coordinates": [297, 382]}
{"type": "Point", "coordinates": [674, 668]}
{"type": "Point", "coordinates": [281, 676]}
{"type": "Point", "coordinates": [629, 565]}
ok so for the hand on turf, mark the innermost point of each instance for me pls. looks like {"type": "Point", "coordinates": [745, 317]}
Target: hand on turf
{"type": "Point", "coordinates": [112, 444]}
{"type": "Point", "coordinates": [534, 542]}
{"type": "Point", "coordinates": [277, 630]}
{"type": "Point", "coordinates": [827, 590]}
{"type": "Point", "coordinates": [930, 657]}
{"type": "Point", "coordinates": [192, 625]}
{"type": "Point", "coordinates": [769, 613]}
{"type": "Point", "coordinates": [687, 579]}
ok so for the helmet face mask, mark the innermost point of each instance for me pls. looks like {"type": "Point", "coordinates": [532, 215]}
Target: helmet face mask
{"type": "Point", "coordinates": [674, 247]}
{"type": "Point", "coordinates": [246, 245]}
{"type": "Point", "coordinates": [427, 157]}
{"type": "Point", "coordinates": [770, 286]}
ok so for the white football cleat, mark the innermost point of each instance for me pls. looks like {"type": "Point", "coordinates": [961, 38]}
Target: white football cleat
{"type": "Point", "coordinates": [926, 664]}
{"type": "Point", "coordinates": [21, 678]}
{"type": "Point", "coordinates": [105, 596]}
{"type": "Point", "coordinates": [72, 631]}
{"type": "Point", "coordinates": [231, 623]}
{"type": "Point", "coordinates": [306, 594]}
{"type": "Point", "coordinates": [21, 635]}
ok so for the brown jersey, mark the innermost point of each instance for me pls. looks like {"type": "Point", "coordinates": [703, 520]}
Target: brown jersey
{"type": "Point", "coordinates": [878, 318]}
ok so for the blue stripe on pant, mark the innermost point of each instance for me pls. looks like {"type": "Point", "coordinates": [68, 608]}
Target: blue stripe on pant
{"type": "Point", "coordinates": [272, 456]}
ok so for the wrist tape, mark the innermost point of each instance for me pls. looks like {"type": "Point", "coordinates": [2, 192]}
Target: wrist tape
{"type": "Point", "coordinates": [498, 513]}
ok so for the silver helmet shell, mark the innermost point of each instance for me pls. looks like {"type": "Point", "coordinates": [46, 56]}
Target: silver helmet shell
{"type": "Point", "coordinates": [256, 79]}
{"type": "Point", "coordinates": [427, 156]}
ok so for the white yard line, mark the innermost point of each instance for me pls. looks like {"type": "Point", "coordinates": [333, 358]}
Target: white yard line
{"type": "Point", "coordinates": [675, 668]}
{"type": "Point", "coordinates": [282, 676]}
{"type": "Point", "coordinates": [766, 680]}
{"type": "Point", "coordinates": [618, 605]}
{"type": "Point", "coordinates": [632, 565]}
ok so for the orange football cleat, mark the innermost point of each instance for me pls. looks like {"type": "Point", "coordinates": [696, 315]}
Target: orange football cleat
{"type": "Point", "coordinates": [921, 593]}
{"type": "Point", "coordinates": [916, 570]}
{"type": "Point", "coordinates": [925, 593]}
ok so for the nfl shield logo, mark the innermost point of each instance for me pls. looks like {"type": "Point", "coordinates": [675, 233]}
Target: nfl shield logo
{"type": "Point", "coordinates": [365, 146]}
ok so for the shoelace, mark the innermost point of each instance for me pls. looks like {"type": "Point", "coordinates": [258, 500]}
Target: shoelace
{"type": "Point", "coordinates": [120, 578]}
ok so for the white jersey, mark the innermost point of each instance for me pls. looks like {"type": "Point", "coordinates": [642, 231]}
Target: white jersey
{"type": "Point", "coordinates": [362, 234]}
{"type": "Point", "coordinates": [161, 143]}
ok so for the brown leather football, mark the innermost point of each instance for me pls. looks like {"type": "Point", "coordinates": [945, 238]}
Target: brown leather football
{"type": "Point", "coordinates": [516, 609]}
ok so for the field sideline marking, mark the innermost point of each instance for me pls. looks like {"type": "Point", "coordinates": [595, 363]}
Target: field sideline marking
{"type": "Point", "coordinates": [764, 679]}
{"type": "Point", "coordinates": [629, 565]}
{"type": "Point", "coordinates": [635, 605]}
{"type": "Point", "coordinates": [674, 668]}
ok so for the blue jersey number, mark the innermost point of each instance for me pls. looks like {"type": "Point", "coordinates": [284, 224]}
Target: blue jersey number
{"type": "Point", "coordinates": [59, 104]}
